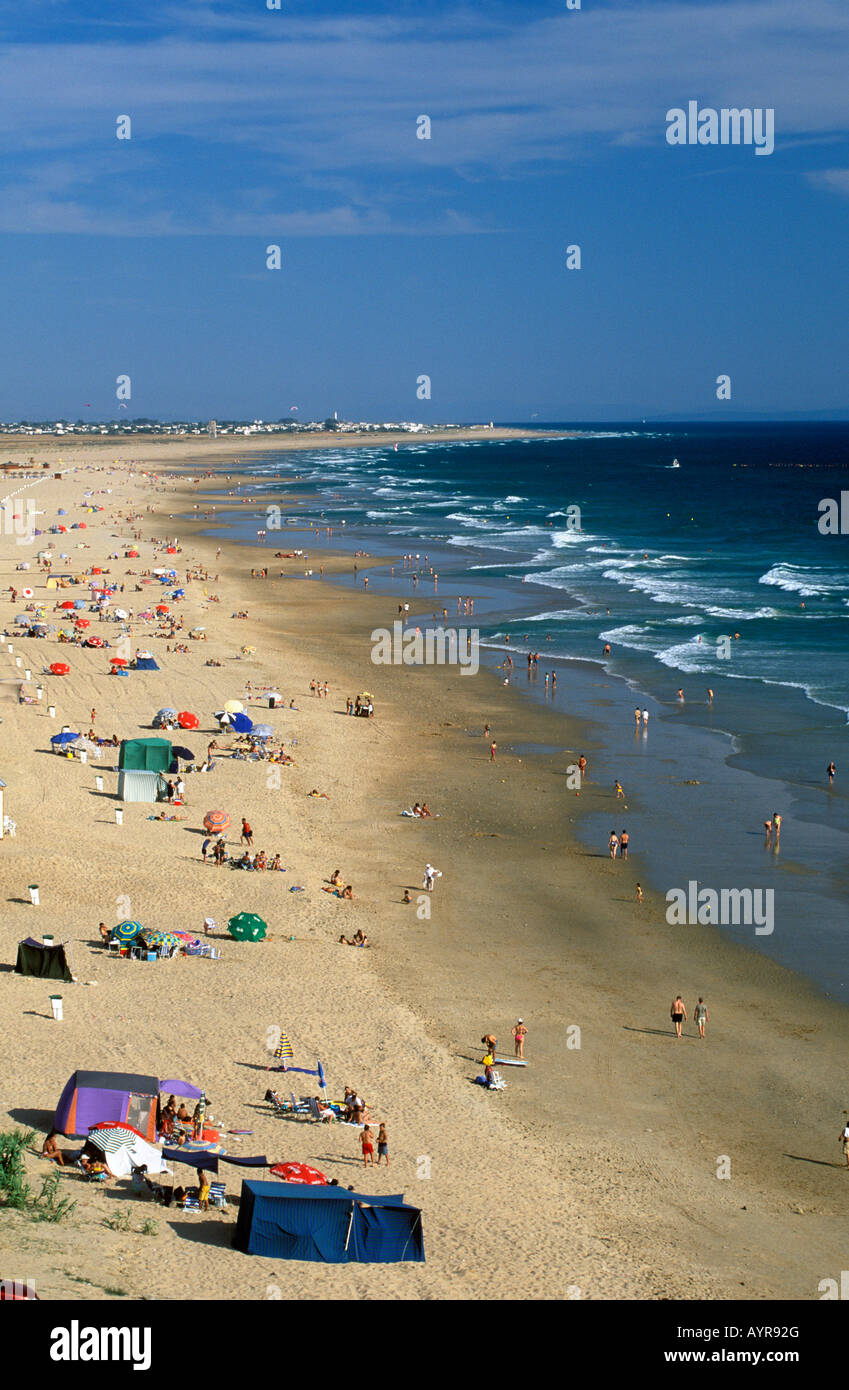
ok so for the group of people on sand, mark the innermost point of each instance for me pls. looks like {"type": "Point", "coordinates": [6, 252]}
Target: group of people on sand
{"type": "Point", "coordinates": [678, 1014]}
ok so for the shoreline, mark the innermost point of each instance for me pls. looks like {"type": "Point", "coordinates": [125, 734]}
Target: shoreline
{"type": "Point", "coordinates": [605, 1132]}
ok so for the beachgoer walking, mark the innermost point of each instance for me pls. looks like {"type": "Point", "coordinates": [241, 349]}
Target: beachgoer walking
{"type": "Point", "coordinates": [382, 1145]}
{"type": "Point", "coordinates": [678, 1014]}
{"type": "Point", "coordinates": [582, 766]}
{"type": "Point", "coordinates": [613, 844]}
{"type": "Point", "coordinates": [492, 748]}
{"type": "Point", "coordinates": [701, 1016]}
{"type": "Point", "coordinates": [368, 1146]}
{"type": "Point", "coordinates": [247, 835]}
{"type": "Point", "coordinates": [637, 716]}
{"type": "Point", "coordinates": [520, 1032]}
{"type": "Point", "coordinates": [645, 719]}
{"type": "Point", "coordinates": [619, 791]}
{"type": "Point", "coordinates": [639, 893]}
{"type": "Point", "coordinates": [430, 876]}
{"type": "Point", "coordinates": [623, 844]}
{"type": "Point", "coordinates": [830, 772]}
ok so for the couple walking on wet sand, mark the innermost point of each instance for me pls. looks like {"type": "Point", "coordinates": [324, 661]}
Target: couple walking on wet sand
{"type": "Point", "coordinates": [678, 1014]}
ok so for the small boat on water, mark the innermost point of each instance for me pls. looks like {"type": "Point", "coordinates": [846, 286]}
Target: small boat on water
{"type": "Point", "coordinates": [675, 464]}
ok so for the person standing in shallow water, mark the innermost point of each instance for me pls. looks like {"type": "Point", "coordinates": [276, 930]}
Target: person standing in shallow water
{"type": "Point", "coordinates": [678, 1014]}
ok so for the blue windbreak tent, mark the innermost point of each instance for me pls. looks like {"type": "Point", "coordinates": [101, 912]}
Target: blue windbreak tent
{"type": "Point", "coordinates": [288, 1221]}
{"type": "Point", "coordinates": [146, 663]}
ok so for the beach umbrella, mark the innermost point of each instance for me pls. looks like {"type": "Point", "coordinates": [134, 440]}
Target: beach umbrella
{"type": "Point", "coordinates": [262, 731]}
{"type": "Point", "coordinates": [299, 1172]}
{"type": "Point", "coordinates": [23, 620]}
{"type": "Point", "coordinates": [82, 622]}
{"type": "Point", "coordinates": [234, 706]}
{"type": "Point", "coordinates": [60, 668]}
{"type": "Point", "coordinates": [81, 525]}
{"type": "Point", "coordinates": [187, 937]}
{"type": "Point", "coordinates": [155, 939]}
{"type": "Point", "coordinates": [79, 603]}
{"type": "Point", "coordinates": [241, 723]}
{"type": "Point", "coordinates": [165, 713]}
{"type": "Point", "coordinates": [95, 570]}
{"type": "Point", "coordinates": [216, 822]}
{"type": "Point", "coordinates": [62, 739]}
{"type": "Point", "coordinates": [187, 720]}
{"type": "Point", "coordinates": [170, 550]}
{"type": "Point", "coordinates": [94, 642]}
{"type": "Point", "coordinates": [185, 753]}
{"type": "Point", "coordinates": [247, 926]}
{"type": "Point", "coordinates": [127, 931]}
{"type": "Point", "coordinates": [26, 593]}
{"type": "Point", "coordinates": [117, 661]}
{"type": "Point", "coordinates": [68, 603]}
{"type": "Point", "coordinates": [178, 593]}
{"type": "Point", "coordinates": [162, 607]}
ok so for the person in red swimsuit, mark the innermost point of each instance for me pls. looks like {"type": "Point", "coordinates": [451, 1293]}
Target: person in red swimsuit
{"type": "Point", "coordinates": [368, 1146]}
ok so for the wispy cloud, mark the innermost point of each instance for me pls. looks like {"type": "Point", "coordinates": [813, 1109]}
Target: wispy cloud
{"type": "Point", "coordinates": [304, 105]}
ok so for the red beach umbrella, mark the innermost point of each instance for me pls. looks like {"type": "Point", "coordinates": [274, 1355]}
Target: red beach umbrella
{"type": "Point", "coordinates": [95, 642]}
{"type": "Point", "coordinates": [82, 622]}
{"type": "Point", "coordinates": [216, 822]}
{"type": "Point", "coordinates": [187, 720]}
{"type": "Point", "coordinates": [299, 1172]}
{"type": "Point", "coordinates": [117, 661]}
{"type": "Point", "coordinates": [170, 550]}
{"type": "Point", "coordinates": [66, 604]}
{"type": "Point", "coordinates": [60, 668]}
{"type": "Point", "coordinates": [95, 570]}
{"type": "Point", "coordinates": [162, 607]}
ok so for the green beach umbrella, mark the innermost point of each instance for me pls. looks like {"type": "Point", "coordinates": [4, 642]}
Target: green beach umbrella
{"type": "Point", "coordinates": [247, 926]}
{"type": "Point", "coordinates": [126, 931]}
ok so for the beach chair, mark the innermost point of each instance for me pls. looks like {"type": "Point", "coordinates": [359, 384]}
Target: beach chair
{"type": "Point", "coordinates": [324, 1117]}
{"type": "Point", "coordinates": [299, 1107]}
{"type": "Point", "coordinates": [217, 1197]}
{"type": "Point", "coordinates": [114, 948]}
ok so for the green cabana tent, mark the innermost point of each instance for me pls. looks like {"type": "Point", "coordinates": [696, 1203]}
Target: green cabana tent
{"type": "Point", "coordinates": [145, 755]}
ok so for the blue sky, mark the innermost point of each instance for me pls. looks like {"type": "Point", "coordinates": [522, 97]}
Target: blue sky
{"type": "Point", "coordinates": [403, 257]}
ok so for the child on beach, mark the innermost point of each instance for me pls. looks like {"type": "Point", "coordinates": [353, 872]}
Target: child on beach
{"type": "Point", "coordinates": [639, 893]}
{"type": "Point", "coordinates": [701, 1016]}
{"type": "Point", "coordinates": [203, 1189]}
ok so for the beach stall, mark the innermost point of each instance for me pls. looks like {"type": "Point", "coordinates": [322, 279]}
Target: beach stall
{"type": "Point", "coordinates": [42, 960]}
{"type": "Point", "coordinates": [141, 764]}
{"type": "Point", "coordinates": [90, 1097]}
{"type": "Point", "coordinates": [328, 1225]}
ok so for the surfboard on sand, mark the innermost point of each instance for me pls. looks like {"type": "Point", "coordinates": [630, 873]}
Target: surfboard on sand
{"type": "Point", "coordinates": [509, 1062]}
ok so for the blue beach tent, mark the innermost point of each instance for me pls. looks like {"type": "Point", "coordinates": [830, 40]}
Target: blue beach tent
{"type": "Point", "coordinates": [329, 1225]}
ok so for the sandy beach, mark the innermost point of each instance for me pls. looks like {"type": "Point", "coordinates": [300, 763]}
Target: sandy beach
{"type": "Point", "coordinates": [620, 1164]}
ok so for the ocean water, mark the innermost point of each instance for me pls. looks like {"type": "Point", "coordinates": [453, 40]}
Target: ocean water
{"type": "Point", "coordinates": [712, 574]}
